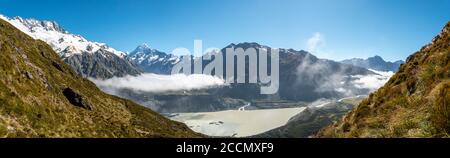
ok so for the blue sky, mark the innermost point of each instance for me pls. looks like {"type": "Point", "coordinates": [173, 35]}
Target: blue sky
{"type": "Point", "coordinates": [334, 29]}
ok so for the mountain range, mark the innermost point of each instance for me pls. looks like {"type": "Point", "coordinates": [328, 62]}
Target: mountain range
{"type": "Point", "coordinates": [98, 60]}
{"type": "Point", "coordinates": [87, 58]}
{"type": "Point", "coordinates": [375, 63]}
{"type": "Point", "coordinates": [303, 78]}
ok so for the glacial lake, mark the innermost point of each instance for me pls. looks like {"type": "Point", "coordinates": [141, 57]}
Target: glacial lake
{"type": "Point", "coordinates": [236, 123]}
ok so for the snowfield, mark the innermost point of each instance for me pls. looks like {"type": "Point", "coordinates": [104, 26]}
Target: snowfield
{"type": "Point", "coordinates": [59, 39]}
{"type": "Point", "coordinates": [236, 123]}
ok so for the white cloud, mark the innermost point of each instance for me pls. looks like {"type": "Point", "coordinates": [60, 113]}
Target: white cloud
{"type": "Point", "coordinates": [314, 42]}
{"type": "Point", "coordinates": [159, 83]}
{"type": "Point", "coordinates": [338, 80]}
{"type": "Point", "coordinates": [316, 45]}
{"type": "Point", "coordinates": [373, 82]}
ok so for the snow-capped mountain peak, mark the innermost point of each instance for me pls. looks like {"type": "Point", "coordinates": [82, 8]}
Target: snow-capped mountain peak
{"type": "Point", "coordinates": [87, 58]}
{"type": "Point", "coordinates": [31, 24]}
{"type": "Point", "coordinates": [143, 46]}
{"type": "Point", "coordinates": [152, 60]}
{"type": "Point", "coordinates": [60, 40]}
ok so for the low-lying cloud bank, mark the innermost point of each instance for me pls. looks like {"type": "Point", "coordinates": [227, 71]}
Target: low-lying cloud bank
{"type": "Point", "coordinates": [373, 82]}
{"type": "Point", "coordinates": [325, 79]}
{"type": "Point", "coordinates": [160, 83]}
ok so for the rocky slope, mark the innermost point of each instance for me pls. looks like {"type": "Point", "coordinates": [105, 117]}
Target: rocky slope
{"type": "Point", "coordinates": [41, 96]}
{"type": "Point", "coordinates": [89, 59]}
{"type": "Point", "coordinates": [414, 103]}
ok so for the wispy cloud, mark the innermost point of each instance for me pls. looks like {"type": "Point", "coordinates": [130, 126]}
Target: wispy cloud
{"type": "Point", "coordinates": [373, 81]}
{"type": "Point", "coordinates": [316, 45]}
{"type": "Point", "coordinates": [314, 42]}
{"type": "Point", "coordinates": [159, 83]}
{"type": "Point", "coordinates": [327, 79]}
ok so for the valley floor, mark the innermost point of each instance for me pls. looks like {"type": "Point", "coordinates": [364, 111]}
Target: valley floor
{"type": "Point", "coordinates": [236, 123]}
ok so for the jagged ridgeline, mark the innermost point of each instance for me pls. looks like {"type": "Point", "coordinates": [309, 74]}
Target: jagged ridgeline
{"type": "Point", "coordinates": [414, 103]}
{"type": "Point", "coordinates": [41, 96]}
{"type": "Point", "coordinates": [87, 58]}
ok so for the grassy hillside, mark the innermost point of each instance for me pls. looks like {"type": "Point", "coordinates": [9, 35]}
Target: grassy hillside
{"type": "Point", "coordinates": [414, 103]}
{"type": "Point", "coordinates": [40, 96]}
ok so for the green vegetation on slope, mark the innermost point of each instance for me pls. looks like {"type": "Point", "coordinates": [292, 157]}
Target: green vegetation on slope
{"type": "Point", "coordinates": [414, 103]}
{"type": "Point", "coordinates": [32, 102]}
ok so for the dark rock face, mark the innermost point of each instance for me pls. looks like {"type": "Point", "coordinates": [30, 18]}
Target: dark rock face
{"type": "Point", "coordinates": [76, 99]}
{"type": "Point", "coordinates": [101, 64]}
{"type": "Point", "coordinates": [57, 66]}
